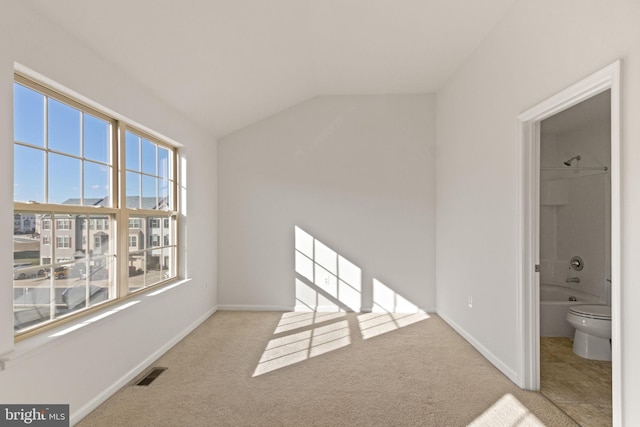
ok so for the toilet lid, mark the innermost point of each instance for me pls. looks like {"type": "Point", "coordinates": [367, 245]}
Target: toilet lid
{"type": "Point", "coordinates": [593, 311]}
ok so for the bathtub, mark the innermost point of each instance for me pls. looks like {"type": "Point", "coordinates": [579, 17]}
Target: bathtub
{"type": "Point", "coordinates": [554, 306]}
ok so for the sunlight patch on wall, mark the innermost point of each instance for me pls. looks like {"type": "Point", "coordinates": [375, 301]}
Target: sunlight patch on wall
{"type": "Point", "coordinates": [326, 281]}
{"type": "Point", "coordinates": [298, 347]}
{"type": "Point", "coordinates": [508, 411]}
{"type": "Point", "coordinates": [386, 300]}
{"type": "Point", "coordinates": [309, 299]}
{"type": "Point", "coordinates": [391, 311]}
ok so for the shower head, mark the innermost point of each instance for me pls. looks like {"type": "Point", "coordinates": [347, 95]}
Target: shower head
{"type": "Point", "coordinates": [568, 162]}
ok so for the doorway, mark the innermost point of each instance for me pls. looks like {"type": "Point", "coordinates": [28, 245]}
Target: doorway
{"type": "Point", "coordinates": [607, 79]}
{"type": "Point", "coordinates": [575, 257]}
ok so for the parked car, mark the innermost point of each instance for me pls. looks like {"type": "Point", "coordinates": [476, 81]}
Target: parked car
{"type": "Point", "coordinates": [61, 272]}
{"type": "Point", "coordinates": [26, 271]}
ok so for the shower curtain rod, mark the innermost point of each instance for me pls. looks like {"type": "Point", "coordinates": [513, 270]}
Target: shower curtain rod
{"type": "Point", "coordinates": [595, 168]}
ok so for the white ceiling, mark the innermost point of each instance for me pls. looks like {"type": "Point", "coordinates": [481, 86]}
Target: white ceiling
{"type": "Point", "coordinates": [230, 63]}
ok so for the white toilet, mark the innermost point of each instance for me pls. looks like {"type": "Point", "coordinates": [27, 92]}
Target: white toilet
{"type": "Point", "coordinates": [593, 330]}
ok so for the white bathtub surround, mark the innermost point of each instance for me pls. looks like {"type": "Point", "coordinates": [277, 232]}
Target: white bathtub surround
{"type": "Point", "coordinates": [575, 215]}
{"type": "Point", "coordinates": [554, 306]}
{"type": "Point", "coordinates": [554, 272]}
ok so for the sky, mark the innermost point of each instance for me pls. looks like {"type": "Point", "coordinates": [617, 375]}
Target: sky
{"type": "Point", "coordinates": [58, 147]}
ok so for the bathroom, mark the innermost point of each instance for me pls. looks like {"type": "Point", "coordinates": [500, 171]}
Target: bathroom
{"type": "Point", "coordinates": [575, 255]}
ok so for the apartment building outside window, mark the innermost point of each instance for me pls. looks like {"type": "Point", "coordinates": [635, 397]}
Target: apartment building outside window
{"type": "Point", "coordinates": [98, 181]}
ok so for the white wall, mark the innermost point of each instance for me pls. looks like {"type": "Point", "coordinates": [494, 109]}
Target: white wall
{"type": "Point", "coordinates": [538, 49]}
{"type": "Point", "coordinates": [354, 172]}
{"type": "Point", "coordinates": [579, 226]}
{"type": "Point", "coordinates": [82, 367]}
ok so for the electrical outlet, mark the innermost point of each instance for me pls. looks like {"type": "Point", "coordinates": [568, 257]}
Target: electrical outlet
{"type": "Point", "coordinates": [470, 302]}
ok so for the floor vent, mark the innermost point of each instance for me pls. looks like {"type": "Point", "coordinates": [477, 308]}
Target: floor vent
{"type": "Point", "coordinates": [152, 375]}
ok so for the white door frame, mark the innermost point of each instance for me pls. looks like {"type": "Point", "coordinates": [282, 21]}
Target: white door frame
{"type": "Point", "coordinates": [528, 279]}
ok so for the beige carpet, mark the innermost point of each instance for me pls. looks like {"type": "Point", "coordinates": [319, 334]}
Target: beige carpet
{"type": "Point", "coordinates": [314, 369]}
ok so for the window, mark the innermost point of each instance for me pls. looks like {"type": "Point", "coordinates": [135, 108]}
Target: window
{"type": "Point", "coordinates": [153, 259]}
{"type": "Point", "coordinates": [63, 242]}
{"type": "Point", "coordinates": [63, 224]}
{"type": "Point", "coordinates": [66, 167]}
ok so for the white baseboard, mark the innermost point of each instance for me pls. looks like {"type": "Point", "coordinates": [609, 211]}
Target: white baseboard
{"type": "Point", "coordinates": [239, 307]}
{"type": "Point", "coordinates": [78, 415]}
{"type": "Point", "coordinates": [321, 309]}
{"type": "Point", "coordinates": [370, 309]}
{"type": "Point", "coordinates": [495, 361]}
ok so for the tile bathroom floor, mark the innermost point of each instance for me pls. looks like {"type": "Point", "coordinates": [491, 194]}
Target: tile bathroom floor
{"type": "Point", "coordinates": [579, 386]}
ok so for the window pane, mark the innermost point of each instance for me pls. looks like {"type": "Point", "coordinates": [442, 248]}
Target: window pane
{"type": "Point", "coordinates": [133, 151]}
{"type": "Point", "coordinates": [82, 289]}
{"type": "Point", "coordinates": [154, 267]}
{"type": "Point", "coordinates": [82, 232]}
{"type": "Point", "coordinates": [65, 237]}
{"type": "Point", "coordinates": [167, 231]}
{"type": "Point", "coordinates": [78, 294]}
{"type": "Point", "coordinates": [164, 194]}
{"type": "Point", "coordinates": [136, 270]}
{"type": "Point", "coordinates": [164, 163]}
{"type": "Point", "coordinates": [64, 180]}
{"type": "Point", "coordinates": [149, 188]}
{"type": "Point", "coordinates": [148, 157]}
{"type": "Point", "coordinates": [89, 279]}
{"type": "Point", "coordinates": [96, 139]}
{"type": "Point", "coordinates": [28, 174]}
{"type": "Point", "coordinates": [96, 183]}
{"type": "Point", "coordinates": [167, 263]}
{"type": "Point", "coordinates": [133, 190]}
{"type": "Point", "coordinates": [137, 257]}
{"type": "Point", "coordinates": [32, 290]}
{"type": "Point", "coordinates": [28, 115]}
{"type": "Point", "coordinates": [138, 228]}
{"type": "Point", "coordinates": [64, 128]}
{"type": "Point", "coordinates": [32, 296]}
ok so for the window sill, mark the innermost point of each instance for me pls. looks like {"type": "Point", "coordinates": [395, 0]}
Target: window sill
{"type": "Point", "coordinates": [33, 345]}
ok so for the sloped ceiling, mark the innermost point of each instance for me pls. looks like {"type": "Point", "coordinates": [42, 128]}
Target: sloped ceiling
{"type": "Point", "coordinates": [230, 63]}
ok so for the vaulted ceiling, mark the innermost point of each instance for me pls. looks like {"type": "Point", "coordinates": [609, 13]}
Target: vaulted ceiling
{"type": "Point", "coordinates": [230, 63]}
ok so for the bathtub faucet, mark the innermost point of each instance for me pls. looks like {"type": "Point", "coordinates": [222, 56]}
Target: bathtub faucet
{"type": "Point", "coordinates": [573, 280]}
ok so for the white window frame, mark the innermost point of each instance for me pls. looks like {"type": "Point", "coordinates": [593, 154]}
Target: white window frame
{"type": "Point", "coordinates": [118, 214]}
